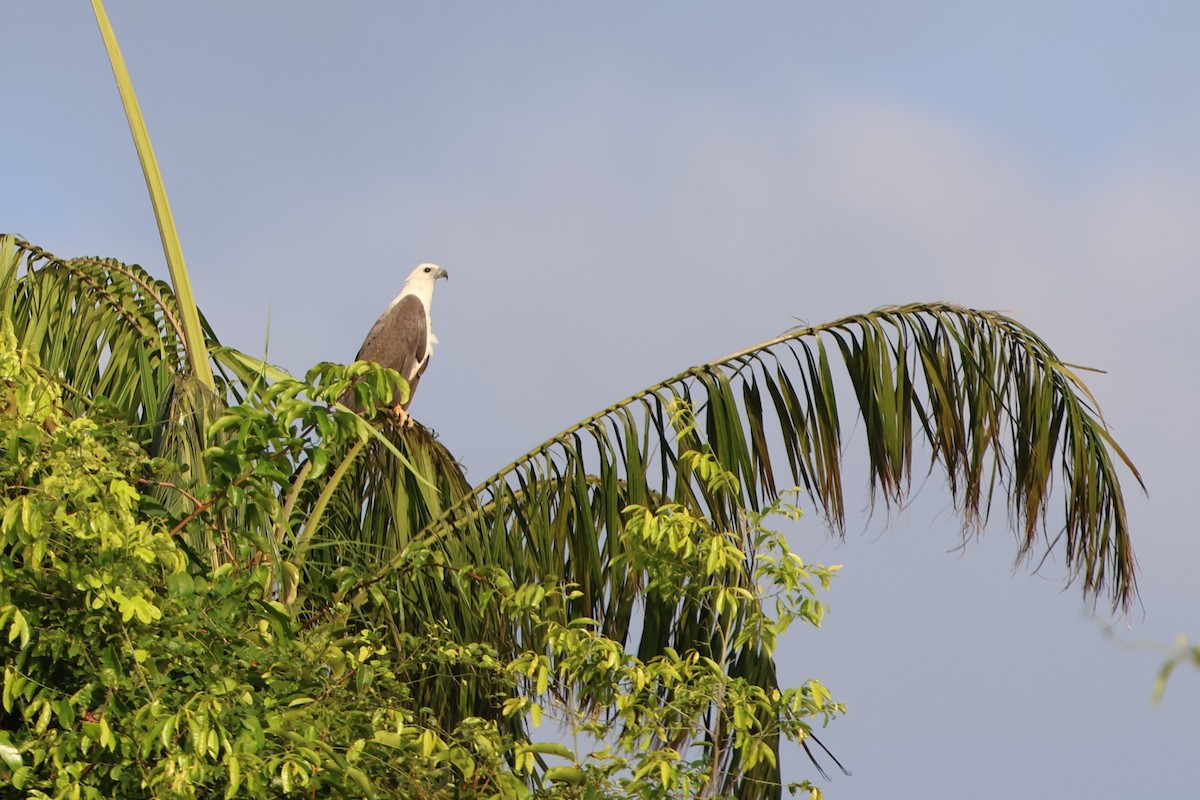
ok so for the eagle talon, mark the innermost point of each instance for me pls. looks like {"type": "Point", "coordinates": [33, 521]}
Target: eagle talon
{"type": "Point", "coordinates": [403, 418]}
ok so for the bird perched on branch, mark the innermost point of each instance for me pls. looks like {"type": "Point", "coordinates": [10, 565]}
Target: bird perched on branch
{"type": "Point", "coordinates": [402, 338]}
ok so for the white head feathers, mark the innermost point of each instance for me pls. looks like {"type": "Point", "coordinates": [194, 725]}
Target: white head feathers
{"type": "Point", "coordinates": [420, 282]}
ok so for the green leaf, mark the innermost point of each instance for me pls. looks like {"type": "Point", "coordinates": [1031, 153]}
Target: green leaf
{"type": "Point", "coordinates": [181, 583]}
{"type": "Point", "coordinates": [360, 778]}
{"type": "Point", "coordinates": [548, 748]}
{"type": "Point", "coordinates": [18, 628]}
{"type": "Point", "coordinates": [9, 754]}
{"type": "Point", "coordinates": [389, 739]}
{"type": "Point", "coordinates": [193, 335]}
{"type": "Point", "coordinates": [572, 776]}
{"type": "Point", "coordinates": [234, 766]}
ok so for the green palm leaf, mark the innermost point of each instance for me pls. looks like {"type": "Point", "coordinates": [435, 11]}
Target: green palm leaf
{"type": "Point", "coordinates": [187, 317]}
{"type": "Point", "coordinates": [110, 330]}
{"type": "Point", "coordinates": [977, 394]}
{"type": "Point", "coordinates": [104, 328]}
{"type": "Point", "coordinates": [973, 394]}
{"type": "Point", "coordinates": [110, 333]}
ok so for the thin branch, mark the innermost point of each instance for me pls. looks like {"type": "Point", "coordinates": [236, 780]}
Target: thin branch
{"type": "Point", "coordinates": [195, 501]}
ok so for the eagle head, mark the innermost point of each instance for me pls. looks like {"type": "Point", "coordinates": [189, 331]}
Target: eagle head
{"type": "Point", "coordinates": [426, 274]}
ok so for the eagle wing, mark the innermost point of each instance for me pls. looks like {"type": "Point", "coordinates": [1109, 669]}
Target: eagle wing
{"type": "Point", "coordinates": [399, 340]}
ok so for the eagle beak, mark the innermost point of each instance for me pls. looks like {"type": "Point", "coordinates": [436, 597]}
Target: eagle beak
{"type": "Point", "coordinates": [443, 273]}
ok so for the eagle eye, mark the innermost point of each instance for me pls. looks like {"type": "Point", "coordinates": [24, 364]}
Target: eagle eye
{"type": "Point", "coordinates": [429, 269]}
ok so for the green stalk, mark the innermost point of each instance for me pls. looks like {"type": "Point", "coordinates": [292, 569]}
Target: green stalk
{"type": "Point", "coordinates": [314, 518]}
{"type": "Point", "coordinates": [8, 274]}
{"type": "Point", "coordinates": [172, 249]}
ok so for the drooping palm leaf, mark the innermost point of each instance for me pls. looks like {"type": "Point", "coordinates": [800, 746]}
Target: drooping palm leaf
{"type": "Point", "coordinates": [112, 330]}
{"type": "Point", "coordinates": [111, 334]}
{"type": "Point", "coordinates": [104, 328]}
{"type": "Point", "coordinates": [973, 394]}
{"type": "Point", "coordinates": [355, 532]}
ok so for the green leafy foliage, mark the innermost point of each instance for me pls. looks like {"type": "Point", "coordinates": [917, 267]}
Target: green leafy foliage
{"type": "Point", "coordinates": [136, 668]}
{"type": "Point", "coordinates": [630, 550]}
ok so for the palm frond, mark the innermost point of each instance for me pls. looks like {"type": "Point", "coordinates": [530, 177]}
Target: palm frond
{"type": "Point", "coordinates": [103, 328]}
{"type": "Point", "coordinates": [977, 394]}
{"type": "Point", "coordinates": [187, 315]}
{"type": "Point", "coordinates": [972, 394]}
{"type": "Point", "coordinates": [112, 330]}
{"type": "Point", "coordinates": [111, 334]}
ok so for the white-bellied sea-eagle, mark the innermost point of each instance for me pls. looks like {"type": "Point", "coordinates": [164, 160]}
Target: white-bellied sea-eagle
{"type": "Point", "coordinates": [402, 338]}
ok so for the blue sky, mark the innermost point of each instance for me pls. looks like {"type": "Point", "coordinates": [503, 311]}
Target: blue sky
{"type": "Point", "coordinates": [621, 190]}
